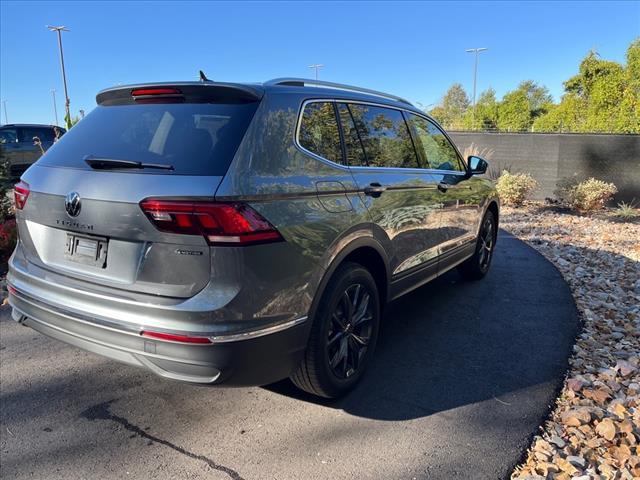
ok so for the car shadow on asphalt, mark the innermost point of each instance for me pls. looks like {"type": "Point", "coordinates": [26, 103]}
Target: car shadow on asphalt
{"type": "Point", "coordinates": [452, 343]}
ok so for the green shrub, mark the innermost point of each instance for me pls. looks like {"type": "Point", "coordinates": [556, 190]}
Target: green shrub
{"type": "Point", "coordinates": [590, 195]}
{"type": "Point", "coordinates": [514, 188]}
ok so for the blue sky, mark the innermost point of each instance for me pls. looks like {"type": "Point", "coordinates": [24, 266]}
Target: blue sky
{"type": "Point", "coordinates": [412, 49]}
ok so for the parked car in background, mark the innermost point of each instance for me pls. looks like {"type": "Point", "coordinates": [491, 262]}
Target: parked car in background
{"type": "Point", "coordinates": [17, 144]}
{"type": "Point", "coordinates": [244, 233]}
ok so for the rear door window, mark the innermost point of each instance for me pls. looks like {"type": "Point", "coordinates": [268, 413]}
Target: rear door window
{"type": "Point", "coordinates": [385, 136]}
{"type": "Point", "coordinates": [195, 138]}
{"type": "Point", "coordinates": [437, 151]}
{"type": "Point", "coordinates": [319, 132]}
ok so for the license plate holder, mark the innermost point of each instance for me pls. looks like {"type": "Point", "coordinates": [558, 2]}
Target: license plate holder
{"type": "Point", "coordinates": [87, 250]}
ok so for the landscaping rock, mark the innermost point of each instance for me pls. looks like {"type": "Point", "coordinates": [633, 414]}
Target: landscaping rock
{"type": "Point", "coordinates": [594, 430]}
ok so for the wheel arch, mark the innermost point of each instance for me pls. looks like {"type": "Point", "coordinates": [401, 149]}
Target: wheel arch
{"type": "Point", "coordinates": [366, 252]}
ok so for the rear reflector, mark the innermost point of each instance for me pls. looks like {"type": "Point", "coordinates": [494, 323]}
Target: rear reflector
{"type": "Point", "coordinates": [218, 223]}
{"type": "Point", "coordinates": [21, 193]}
{"type": "Point", "coordinates": [12, 290]}
{"type": "Point", "coordinates": [176, 338]}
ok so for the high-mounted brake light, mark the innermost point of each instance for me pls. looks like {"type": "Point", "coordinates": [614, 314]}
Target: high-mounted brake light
{"type": "Point", "coordinates": [176, 338]}
{"type": "Point", "coordinates": [219, 223]}
{"type": "Point", "coordinates": [21, 193]}
{"type": "Point", "coordinates": [137, 92]}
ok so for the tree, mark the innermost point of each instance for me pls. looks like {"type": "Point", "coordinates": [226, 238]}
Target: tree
{"type": "Point", "coordinates": [604, 96]}
{"type": "Point", "coordinates": [486, 113]}
{"type": "Point", "coordinates": [629, 119]}
{"type": "Point", "coordinates": [513, 112]}
{"type": "Point", "coordinates": [454, 105]}
{"type": "Point", "coordinates": [539, 97]}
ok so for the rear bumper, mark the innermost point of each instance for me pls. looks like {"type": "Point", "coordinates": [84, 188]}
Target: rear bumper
{"type": "Point", "coordinates": [254, 357]}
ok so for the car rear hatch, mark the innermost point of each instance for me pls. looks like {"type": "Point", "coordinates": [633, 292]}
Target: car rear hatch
{"type": "Point", "coordinates": [83, 216]}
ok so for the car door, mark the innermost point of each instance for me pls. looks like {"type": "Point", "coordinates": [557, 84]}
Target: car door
{"type": "Point", "coordinates": [457, 191]}
{"type": "Point", "coordinates": [401, 197]}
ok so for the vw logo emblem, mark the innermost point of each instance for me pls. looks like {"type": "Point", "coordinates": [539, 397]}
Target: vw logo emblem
{"type": "Point", "coordinates": [72, 204]}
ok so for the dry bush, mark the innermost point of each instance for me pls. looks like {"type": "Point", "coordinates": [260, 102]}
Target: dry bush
{"type": "Point", "coordinates": [589, 195]}
{"type": "Point", "coordinates": [514, 188]}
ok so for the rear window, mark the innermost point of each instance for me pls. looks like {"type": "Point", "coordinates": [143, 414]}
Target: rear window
{"type": "Point", "coordinates": [195, 138]}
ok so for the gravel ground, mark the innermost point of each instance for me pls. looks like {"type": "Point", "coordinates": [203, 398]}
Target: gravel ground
{"type": "Point", "coordinates": [594, 430]}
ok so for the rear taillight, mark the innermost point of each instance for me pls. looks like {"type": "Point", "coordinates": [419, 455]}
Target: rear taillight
{"type": "Point", "coordinates": [219, 223]}
{"type": "Point", "coordinates": [21, 193]}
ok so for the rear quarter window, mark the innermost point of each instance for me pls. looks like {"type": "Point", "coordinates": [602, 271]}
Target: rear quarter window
{"type": "Point", "coordinates": [319, 132]}
{"type": "Point", "coordinates": [196, 139]}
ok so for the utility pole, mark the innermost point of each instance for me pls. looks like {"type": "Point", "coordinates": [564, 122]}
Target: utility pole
{"type": "Point", "coordinates": [475, 76]}
{"type": "Point", "coordinates": [316, 67]}
{"type": "Point", "coordinates": [55, 107]}
{"type": "Point", "coordinates": [59, 31]}
{"type": "Point", "coordinates": [4, 104]}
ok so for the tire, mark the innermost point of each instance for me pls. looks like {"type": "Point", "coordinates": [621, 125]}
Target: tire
{"type": "Point", "coordinates": [478, 265]}
{"type": "Point", "coordinates": [343, 334]}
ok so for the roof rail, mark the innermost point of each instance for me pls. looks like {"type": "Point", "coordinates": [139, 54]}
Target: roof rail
{"type": "Point", "coordinates": [302, 82]}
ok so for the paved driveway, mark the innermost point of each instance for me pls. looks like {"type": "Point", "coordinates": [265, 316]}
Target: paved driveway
{"type": "Point", "coordinates": [463, 376]}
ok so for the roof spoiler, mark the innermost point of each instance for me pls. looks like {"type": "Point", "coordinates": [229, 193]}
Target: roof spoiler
{"type": "Point", "coordinates": [187, 92]}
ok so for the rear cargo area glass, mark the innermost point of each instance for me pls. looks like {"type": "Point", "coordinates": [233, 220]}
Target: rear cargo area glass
{"type": "Point", "coordinates": [196, 139]}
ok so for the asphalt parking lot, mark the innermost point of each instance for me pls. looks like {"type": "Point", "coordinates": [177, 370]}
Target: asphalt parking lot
{"type": "Point", "coordinates": [463, 376]}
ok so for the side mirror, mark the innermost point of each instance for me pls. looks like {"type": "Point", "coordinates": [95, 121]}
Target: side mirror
{"type": "Point", "coordinates": [477, 165]}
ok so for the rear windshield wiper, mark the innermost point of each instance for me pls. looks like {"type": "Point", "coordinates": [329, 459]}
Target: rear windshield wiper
{"type": "Point", "coordinates": [114, 164]}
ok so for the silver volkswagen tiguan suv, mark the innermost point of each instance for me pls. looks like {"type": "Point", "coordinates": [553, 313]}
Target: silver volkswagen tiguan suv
{"type": "Point", "coordinates": [243, 233]}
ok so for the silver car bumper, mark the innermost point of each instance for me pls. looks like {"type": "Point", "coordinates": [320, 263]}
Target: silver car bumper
{"type": "Point", "coordinates": [253, 356]}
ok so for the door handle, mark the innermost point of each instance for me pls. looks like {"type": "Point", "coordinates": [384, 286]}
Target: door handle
{"type": "Point", "coordinates": [443, 187]}
{"type": "Point", "coordinates": [374, 190]}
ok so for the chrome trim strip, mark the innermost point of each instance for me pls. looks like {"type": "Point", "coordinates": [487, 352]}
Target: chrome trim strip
{"type": "Point", "coordinates": [257, 333]}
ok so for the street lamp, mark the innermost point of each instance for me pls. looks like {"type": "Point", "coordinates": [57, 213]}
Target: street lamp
{"type": "Point", "coordinates": [4, 104]}
{"type": "Point", "coordinates": [59, 30]}
{"type": "Point", "coordinates": [55, 107]}
{"type": "Point", "coordinates": [475, 76]}
{"type": "Point", "coordinates": [316, 66]}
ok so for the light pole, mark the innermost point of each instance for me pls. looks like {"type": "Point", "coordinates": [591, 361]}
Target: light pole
{"type": "Point", "coordinates": [316, 66]}
{"type": "Point", "coordinates": [55, 107]}
{"type": "Point", "coordinates": [4, 104]}
{"type": "Point", "coordinates": [59, 30]}
{"type": "Point", "coordinates": [475, 77]}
